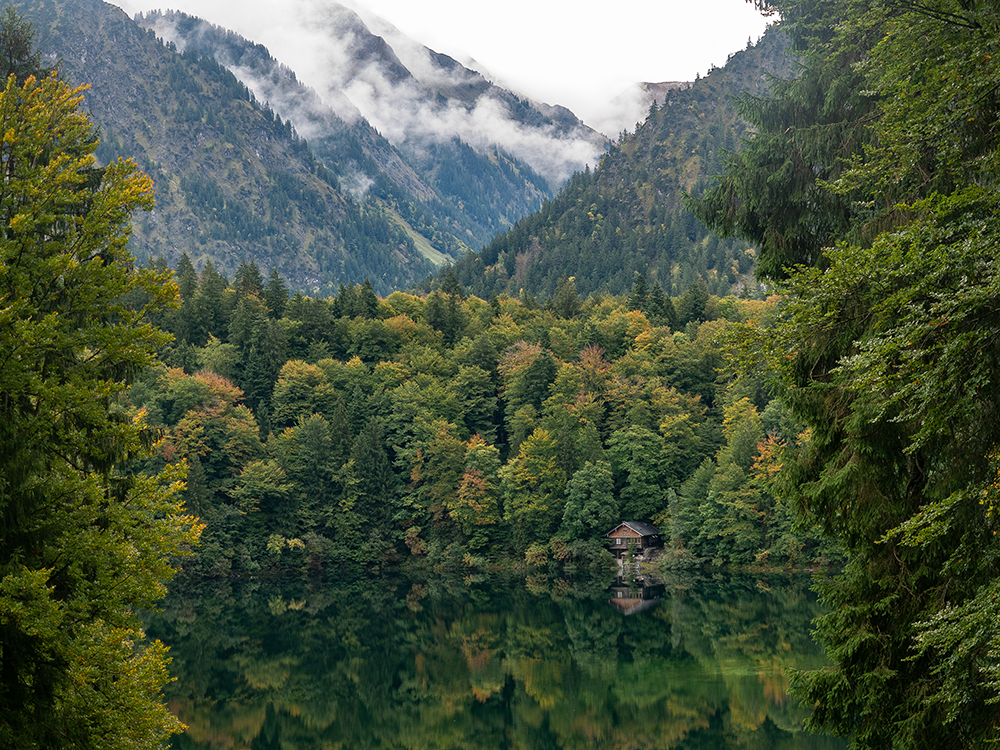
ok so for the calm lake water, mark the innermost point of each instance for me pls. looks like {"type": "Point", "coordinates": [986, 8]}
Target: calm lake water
{"type": "Point", "coordinates": [467, 663]}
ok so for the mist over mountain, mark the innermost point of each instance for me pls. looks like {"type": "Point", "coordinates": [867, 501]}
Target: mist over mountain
{"type": "Point", "coordinates": [249, 163]}
{"type": "Point", "coordinates": [465, 194]}
{"type": "Point", "coordinates": [415, 97]}
{"type": "Point", "coordinates": [627, 216]}
{"type": "Point", "coordinates": [232, 180]}
{"type": "Point", "coordinates": [631, 106]}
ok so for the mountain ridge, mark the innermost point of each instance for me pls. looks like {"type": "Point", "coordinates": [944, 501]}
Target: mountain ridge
{"type": "Point", "coordinates": [235, 180]}
{"type": "Point", "coordinates": [488, 192]}
{"type": "Point", "coordinates": [627, 216]}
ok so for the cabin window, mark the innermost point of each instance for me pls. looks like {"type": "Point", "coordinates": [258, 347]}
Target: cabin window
{"type": "Point", "coordinates": [618, 541]}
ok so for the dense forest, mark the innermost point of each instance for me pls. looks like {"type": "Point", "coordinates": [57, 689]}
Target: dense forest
{"type": "Point", "coordinates": [144, 407]}
{"type": "Point", "coordinates": [870, 189]}
{"type": "Point", "coordinates": [462, 431]}
{"type": "Point", "coordinates": [628, 215]}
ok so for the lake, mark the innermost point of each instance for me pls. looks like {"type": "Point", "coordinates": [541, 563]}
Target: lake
{"type": "Point", "coordinates": [490, 662]}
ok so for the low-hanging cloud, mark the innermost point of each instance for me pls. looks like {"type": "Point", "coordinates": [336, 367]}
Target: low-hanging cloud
{"type": "Point", "coordinates": [631, 106]}
{"type": "Point", "coordinates": [411, 95]}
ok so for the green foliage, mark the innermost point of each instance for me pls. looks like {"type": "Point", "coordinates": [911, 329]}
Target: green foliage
{"type": "Point", "coordinates": [84, 539]}
{"type": "Point", "coordinates": [382, 436]}
{"type": "Point", "coordinates": [885, 348]}
{"type": "Point", "coordinates": [591, 509]}
{"type": "Point", "coordinates": [627, 216]}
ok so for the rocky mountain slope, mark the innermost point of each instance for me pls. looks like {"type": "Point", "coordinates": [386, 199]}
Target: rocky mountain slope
{"type": "Point", "coordinates": [483, 153]}
{"type": "Point", "coordinates": [232, 179]}
{"type": "Point", "coordinates": [249, 163]}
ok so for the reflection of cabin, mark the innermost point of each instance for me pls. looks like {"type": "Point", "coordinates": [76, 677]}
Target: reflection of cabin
{"type": "Point", "coordinates": [640, 535]}
{"type": "Point", "coordinates": [630, 599]}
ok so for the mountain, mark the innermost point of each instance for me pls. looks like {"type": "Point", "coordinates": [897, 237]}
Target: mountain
{"type": "Point", "coordinates": [232, 180]}
{"type": "Point", "coordinates": [265, 168]}
{"type": "Point", "coordinates": [627, 216]}
{"type": "Point", "coordinates": [483, 156]}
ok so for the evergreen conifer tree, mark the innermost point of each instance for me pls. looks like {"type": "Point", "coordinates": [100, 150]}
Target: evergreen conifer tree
{"type": "Point", "coordinates": [276, 294]}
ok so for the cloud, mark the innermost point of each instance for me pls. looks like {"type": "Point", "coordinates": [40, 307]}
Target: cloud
{"type": "Point", "coordinates": [357, 185]}
{"type": "Point", "coordinates": [410, 94]}
{"type": "Point", "coordinates": [631, 106]}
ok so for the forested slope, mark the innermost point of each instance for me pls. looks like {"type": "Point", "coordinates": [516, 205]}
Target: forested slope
{"type": "Point", "coordinates": [452, 195]}
{"type": "Point", "coordinates": [367, 430]}
{"type": "Point", "coordinates": [232, 180]}
{"type": "Point", "coordinates": [628, 216]}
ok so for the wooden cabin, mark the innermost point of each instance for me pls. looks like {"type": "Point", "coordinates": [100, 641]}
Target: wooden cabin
{"type": "Point", "coordinates": [630, 599]}
{"type": "Point", "coordinates": [639, 535]}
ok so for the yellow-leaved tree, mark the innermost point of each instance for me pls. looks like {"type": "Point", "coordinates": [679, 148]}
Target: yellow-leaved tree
{"type": "Point", "coordinates": [85, 541]}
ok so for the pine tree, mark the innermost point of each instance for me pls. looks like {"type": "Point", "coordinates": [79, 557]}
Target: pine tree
{"type": "Point", "coordinates": [276, 294]}
{"type": "Point", "coordinates": [565, 301]}
{"type": "Point", "coordinates": [248, 279]}
{"type": "Point", "coordinates": [18, 55]}
{"type": "Point", "coordinates": [187, 278]}
{"type": "Point", "coordinates": [637, 299]}
{"type": "Point", "coordinates": [377, 485]}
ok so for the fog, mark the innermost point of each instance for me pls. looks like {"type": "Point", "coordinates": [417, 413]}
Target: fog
{"type": "Point", "coordinates": [410, 95]}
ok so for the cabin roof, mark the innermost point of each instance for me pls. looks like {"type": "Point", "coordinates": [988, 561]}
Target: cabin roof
{"type": "Point", "coordinates": [643, 529]}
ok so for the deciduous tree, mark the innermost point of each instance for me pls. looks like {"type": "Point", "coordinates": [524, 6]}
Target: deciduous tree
{"type": "Point", "coordinates": [84, 541]}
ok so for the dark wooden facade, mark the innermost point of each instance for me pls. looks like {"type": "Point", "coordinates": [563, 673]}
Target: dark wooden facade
{"type": "Point", "coordinates": [630, 599]}
{"type": "Point", "coordinates": [635, 534]}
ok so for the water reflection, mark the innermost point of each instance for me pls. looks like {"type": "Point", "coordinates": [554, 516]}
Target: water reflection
{"type": "Point", "coordinates": [631, 595]}
{"type": "Point", "coordinates": [463, 663]}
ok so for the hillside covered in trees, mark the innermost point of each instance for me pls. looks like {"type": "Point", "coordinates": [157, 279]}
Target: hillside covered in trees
{"type": "Point", "coordinates": [232, 180]}
{"type": "Point", "coordinates": [870, 189]}
{"type": "Point", "coordinates": [373, 430]}
{"type": "Point", "coordinates": [628, 215]}
{"type": "Point", "coordinates": [449, 193]}
{"type": "Point", "coordinates": [235, 179]}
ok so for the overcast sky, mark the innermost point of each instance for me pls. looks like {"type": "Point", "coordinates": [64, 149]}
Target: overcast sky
{"type": "Point", "coordinates": [578, 53]}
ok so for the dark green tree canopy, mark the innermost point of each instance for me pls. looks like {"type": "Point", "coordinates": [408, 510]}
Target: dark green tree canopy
{"type": "Point", "coordinates": [870, 187]}
{"type": "Point", "coordinates": [84, 539]}
{"type": "Point", "coordinates": [18, 55]}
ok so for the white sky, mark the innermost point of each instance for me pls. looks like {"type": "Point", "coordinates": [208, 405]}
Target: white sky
{"type": "Point", "coordinates": [578, 53]}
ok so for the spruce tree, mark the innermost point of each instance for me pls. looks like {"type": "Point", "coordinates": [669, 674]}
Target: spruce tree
{"type": "Point", "coordinates": [871, 185]}
{"type": "Point", "coordinates": [276, 294]}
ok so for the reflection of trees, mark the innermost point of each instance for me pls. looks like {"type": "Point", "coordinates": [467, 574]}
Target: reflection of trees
{"type": "Point", "coordinates": [437, 664]}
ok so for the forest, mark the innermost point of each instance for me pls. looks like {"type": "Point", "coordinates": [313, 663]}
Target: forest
{"type": "Point", "coordinates": [155, 417]}
{"type": "Point", "coordinates": [628, 214]}
{"type": "Point", "coordinates": [457, 431]}
{"type": "Point", "coordinates": [870, 191]}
